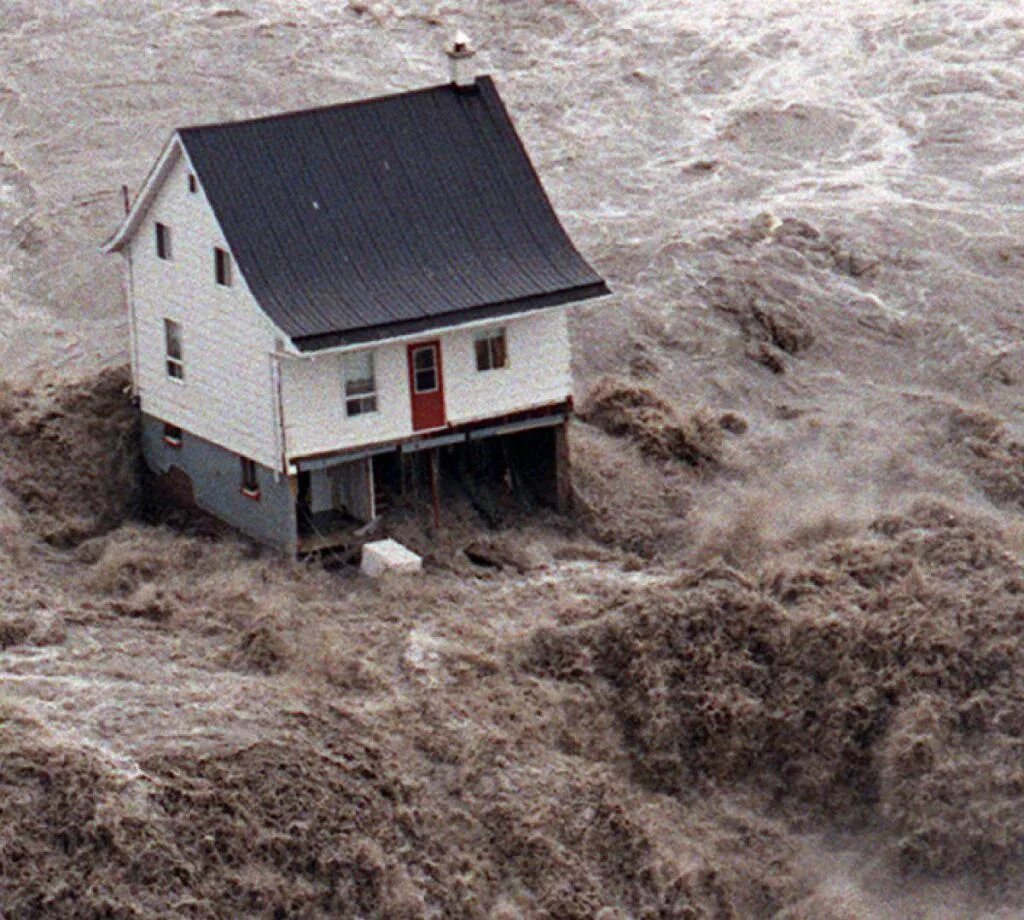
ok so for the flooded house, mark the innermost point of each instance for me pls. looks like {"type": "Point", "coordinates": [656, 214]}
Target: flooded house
{"type": "Point", "coordinates": [329, 305]}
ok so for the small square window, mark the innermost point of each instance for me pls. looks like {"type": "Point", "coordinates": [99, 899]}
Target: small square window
{"type": "Point", "coordinates": [491, 349]}
{"type": "Point", "coordinates": [250, 481]}
{"type": "Point", "coordinates": [163, 241]}
{"type": "Point", "coordinates": [174, 350]}
{"type": "Point", "coordinates": [192, 186]}
{"type": "Point", "coordinates": [424, 365]}
{"type": "Point", "coordinates": [222, 266]}
{"type": "Point", "coordinates": [172, 435]}
{"type": "Point", "coordinates": [360, 383]}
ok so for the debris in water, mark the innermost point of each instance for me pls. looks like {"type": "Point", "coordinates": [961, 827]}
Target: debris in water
{"type": "Point", "coordinates": [388, 555]}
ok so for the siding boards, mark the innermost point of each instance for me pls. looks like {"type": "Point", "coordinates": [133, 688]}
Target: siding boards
{"type": "Point", "coordinates": [538, 372]}
{"type": "Point", "coordinates": [314, 404]}
{"type": "Point", "coordinates": [227, 395]}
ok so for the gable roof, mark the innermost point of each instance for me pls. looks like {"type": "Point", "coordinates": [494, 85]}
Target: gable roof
{"type": "Point", "coordinates": [387, 216]}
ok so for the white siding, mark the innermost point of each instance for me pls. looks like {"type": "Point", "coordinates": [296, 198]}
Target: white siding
{"type": "Point", "coordinates": [537, 373]}
{"type": "Point", "coordinates": [227, 396]}
{"type": "Point", "coordinates": [315, 420]}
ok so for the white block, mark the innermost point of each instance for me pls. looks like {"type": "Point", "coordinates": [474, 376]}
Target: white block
{"type": "Point", "coordinates": [388, 556]}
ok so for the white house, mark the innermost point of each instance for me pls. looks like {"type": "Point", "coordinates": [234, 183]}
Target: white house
{"type": "Point", "coordinates": [324, 302]}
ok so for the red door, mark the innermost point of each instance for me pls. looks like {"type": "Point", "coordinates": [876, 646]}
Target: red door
{"type": "Point", "coordinates": [426, 385]}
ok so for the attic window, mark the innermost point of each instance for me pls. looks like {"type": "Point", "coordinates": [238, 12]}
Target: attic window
{"type": "Point", "coordinates": [172, 435]}
{"type": "Point", "coordinates": [250, 482]}
{"type": "Point", "coordinates": [222, 266]}
{"type": "Point", "coordinates": [192, 187]}
{"type": "Point", "coordinates": [175, 354]}
{"type": "Point", "coordinates": [491, 350]}
{"type": "Point", "coordinates": [163, 241]}
{"type": "Point", "coordinates": [360, 383]}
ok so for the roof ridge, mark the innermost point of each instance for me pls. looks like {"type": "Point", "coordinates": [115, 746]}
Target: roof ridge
{"type": "Point", "coordinates": [330, 107]}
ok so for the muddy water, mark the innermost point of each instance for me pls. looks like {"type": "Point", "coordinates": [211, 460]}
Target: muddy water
{"type": "Point", "coordinates": [811, 216]}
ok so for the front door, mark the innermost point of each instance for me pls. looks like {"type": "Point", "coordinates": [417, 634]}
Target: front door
{"type": "Point", "coordinates": [426, 385]}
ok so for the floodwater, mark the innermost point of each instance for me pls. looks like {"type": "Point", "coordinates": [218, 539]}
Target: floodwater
{"type": "Point", "coordinates": [770, 669]}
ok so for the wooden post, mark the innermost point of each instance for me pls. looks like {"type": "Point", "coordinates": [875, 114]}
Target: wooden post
{"type": "Point", "coordinates": [371, 488]}
{"type": "Point", "coordinates": [563, 469]}
{"type": "Point", "coordinates": [435, 486]}
{"type": "Point", "coordinates": [403, 484]}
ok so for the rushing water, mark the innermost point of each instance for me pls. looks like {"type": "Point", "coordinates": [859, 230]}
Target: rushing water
{"type": "Point", "coordinates": [811, 215]}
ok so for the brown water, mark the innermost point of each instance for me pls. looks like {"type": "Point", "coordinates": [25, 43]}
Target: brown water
{"type": "Point", "coordinates": [772, 669]}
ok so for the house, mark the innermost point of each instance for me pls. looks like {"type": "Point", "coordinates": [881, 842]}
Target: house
{"type": "Point", "coordinates": [327, 306]}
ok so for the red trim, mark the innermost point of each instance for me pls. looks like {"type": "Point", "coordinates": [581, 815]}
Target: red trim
{"type": "Point", "coordinates": [172, 442]}
{"type": "Point", "coordinates": [254, 494]}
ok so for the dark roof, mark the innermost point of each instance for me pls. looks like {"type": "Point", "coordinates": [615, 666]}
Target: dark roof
{"type": "Point", "coordinates": [386, 216]}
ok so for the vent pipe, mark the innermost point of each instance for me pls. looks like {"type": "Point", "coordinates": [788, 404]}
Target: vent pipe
{"type": "Point", "coordinates": [460, 53]}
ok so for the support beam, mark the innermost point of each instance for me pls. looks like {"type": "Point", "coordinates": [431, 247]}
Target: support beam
{"type": "Point", "coordinates": [403, 473]}
{"type": "Point", "coordinates": [435, 486]}
{"type": "Point", "coordinates": [563, 469]}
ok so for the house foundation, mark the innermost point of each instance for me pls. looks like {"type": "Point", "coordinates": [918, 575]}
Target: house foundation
{"type": "Point", "coordinates": [515, 460]}
{"type": "Point", "coordinates": [495, 465]}
{"type": "Point", "coordinates": [197, 472]}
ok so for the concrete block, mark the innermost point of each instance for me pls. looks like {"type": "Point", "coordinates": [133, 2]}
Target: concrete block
{"type": "Point", "coordinates": [388, 556]}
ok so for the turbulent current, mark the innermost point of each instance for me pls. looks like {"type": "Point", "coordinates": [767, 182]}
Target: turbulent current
{"type": "Point", "coordinates": [770, 668]}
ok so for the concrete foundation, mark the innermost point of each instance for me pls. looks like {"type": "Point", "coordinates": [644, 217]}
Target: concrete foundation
{"type": "Point", "coordinates": [210, 477]}
{"type": "Point", "coordinates": [322, 506]}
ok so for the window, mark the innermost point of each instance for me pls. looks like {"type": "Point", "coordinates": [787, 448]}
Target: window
{"type": "Point", "coordinates": [172, 435]}
{"type": "Point", "coordinates": [163, 241]}
{"type": "Point", "coordinates": [222, 266]}
{"type": "Point", "coordinates": [175, 354]}
{"type": "Point", "coordinates": [424, 365]}
{"type": "Point", "coordinates": [192, 183]}
{"type": "Point", "coordinates": [491, 352]}
{"type": "Point", "coordinates": [360, 383]}
{"type": "Point", "coordinates": [250, 484]}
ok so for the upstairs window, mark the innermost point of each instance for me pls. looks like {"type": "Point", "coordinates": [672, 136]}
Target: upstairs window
{"type": "Point", "coordinates": [249, 481]}
{"type": "Point", "coordinates": [172, 435]}
{"type": "Point", "coordinates": [163, 240]}
{"type": "Point", "coordinates": [173, 348]}
{"type": "Point", "coordinates": [192, 186]}
{"type": "Point", "coordinates": [222, 266]}
{"type": "Point", "coordinates": [491, 351]}
{"type": "Point", "coordinates": [360, 383]}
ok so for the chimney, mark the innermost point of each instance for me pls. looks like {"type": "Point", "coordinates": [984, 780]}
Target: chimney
{"type": "Point", "coordinates": [460, 60]}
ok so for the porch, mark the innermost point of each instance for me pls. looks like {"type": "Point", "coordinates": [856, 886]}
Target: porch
{"type": "Point", "coordinates": [520, 460]}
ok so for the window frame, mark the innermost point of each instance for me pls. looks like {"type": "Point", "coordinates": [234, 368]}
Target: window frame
{"type": "Point", "coordinates": [487, 360]}
{"type": "Point", "coordinates": [162, 233]}
{"type": "Point", "coordinates": [249, 482]}
{"type": "Point", "coordinates": [359, 402]}
{"type": "Point", "coordinates": [223, 270]}
{"type": "Point", "coordinates": [172, 435]}
{"type": "Point", "coordinates": [174, 358]}
{"type": "Point", "coordinates": [435, 349]}
{"type": "Point", "coordinates": [193, 185]}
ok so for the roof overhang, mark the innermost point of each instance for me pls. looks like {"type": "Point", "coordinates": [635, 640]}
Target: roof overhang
{"type": "Point", "coordinates": [169, 156]}
{"type": "Point", "coordinates": [368, 334]}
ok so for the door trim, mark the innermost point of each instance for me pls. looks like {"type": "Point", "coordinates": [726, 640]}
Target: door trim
{"type": "Point", "coordinates": [435, 396]}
